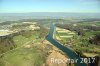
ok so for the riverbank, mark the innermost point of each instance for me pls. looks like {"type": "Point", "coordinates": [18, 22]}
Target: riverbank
{"type": "Point", "coordinates": [71, 54]}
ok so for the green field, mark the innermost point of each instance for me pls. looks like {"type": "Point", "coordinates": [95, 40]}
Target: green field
{"type": "Point", "coordinates": [25, 57]}
{"type": "Point", "coordinates": [29, 51]}
{"type": "Point", "coordinates": [80, 43]}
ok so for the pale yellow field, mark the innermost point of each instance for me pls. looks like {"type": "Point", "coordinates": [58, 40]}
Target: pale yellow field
{"type": "Point", "coordinates": [67, 33]}
{"type": "Point", "coordinates": [71, 33]}
{"type": "Point", "coordinates": [66, 36]}
{"type": "Point", "coordinates": [90, 54]}
{"type": "Point", "coordinates": [3, 33]}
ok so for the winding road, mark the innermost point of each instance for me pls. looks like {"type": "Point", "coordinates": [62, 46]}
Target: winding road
{"type": "Point", "coordinates": [70, 53]}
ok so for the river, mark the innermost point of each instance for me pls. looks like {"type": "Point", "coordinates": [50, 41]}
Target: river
{"type": "Point", "coordinates": [70, 53]}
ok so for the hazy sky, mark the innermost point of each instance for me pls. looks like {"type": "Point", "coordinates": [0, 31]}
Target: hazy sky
{"type": "Point", "coordinates": [20, 6]}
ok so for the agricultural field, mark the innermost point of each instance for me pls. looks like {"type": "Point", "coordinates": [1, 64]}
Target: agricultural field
{"type": "Point", "coordinates": [31, 47]}
{"type": "Point", "coordinates": [63, 35]}
{"type": "Point", "coordinates": [81, 37]}
{"type": "Point", "coordinates": [26, 45]}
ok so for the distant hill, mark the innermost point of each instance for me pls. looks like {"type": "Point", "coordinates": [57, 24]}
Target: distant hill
{"type": "Point", "coordinates": [42, 15]}
{"type": "Point", "coordinates": [52, 14]}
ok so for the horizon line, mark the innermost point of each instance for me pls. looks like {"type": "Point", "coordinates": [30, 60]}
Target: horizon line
{"type": "Point", "coordinates": [49, 12]}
